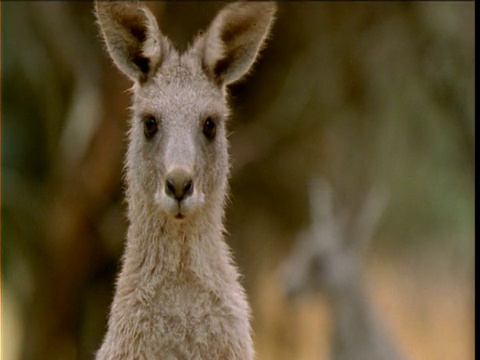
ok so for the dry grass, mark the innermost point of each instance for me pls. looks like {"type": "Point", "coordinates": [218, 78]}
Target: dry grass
{"type": "Point", "coordinates": [431, 317]}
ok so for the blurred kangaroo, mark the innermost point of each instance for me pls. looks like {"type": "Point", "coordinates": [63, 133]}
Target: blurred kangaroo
{"type": "Point", "coordinates": [178, 295]}
{"type": "Point", "coordinates": [327, 258]}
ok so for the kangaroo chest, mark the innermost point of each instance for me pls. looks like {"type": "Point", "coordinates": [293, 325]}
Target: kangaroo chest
{"type": "Point", "coordinates": [180, 315]}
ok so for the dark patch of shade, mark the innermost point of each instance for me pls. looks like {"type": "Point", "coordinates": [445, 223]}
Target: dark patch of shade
{"type": "Point", "coordinates": [142, 62]}
{"type": "Point", "coordinates": [233, 30]}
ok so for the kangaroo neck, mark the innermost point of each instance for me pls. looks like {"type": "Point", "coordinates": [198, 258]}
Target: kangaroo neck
{"type": "Point", "coordinates": [357, 332]}
{"type": "Point", "coordinates": [351, 309]}
{"type": "Point", "coordinates": [157, 245]}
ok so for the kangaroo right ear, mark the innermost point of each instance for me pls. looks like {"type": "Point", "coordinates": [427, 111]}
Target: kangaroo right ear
{"type": "Point", "coordinates": [132, 36]}
{"type": "Point", "coordinates": [234, 39]}
{"type": "Point", "coordinates": [366, 221]}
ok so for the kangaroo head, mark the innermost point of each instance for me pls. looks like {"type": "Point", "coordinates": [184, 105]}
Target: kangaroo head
{"type": "Point", "coordinates": [322, 260]}
{"type": "Point", "coordinates": [177, 158]}
{"type": "Point", "coordinates": [328, 256]}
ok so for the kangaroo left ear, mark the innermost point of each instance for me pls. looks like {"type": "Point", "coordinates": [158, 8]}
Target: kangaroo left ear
{"type": "Point", "coordinates": [132, 36]}
{"type": "Point", "coordinates": [234, 39]}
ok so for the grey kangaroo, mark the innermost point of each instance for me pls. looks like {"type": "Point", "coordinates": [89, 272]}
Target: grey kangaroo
{"type": "Point", "coordinates": [327, 258]}
{"type": "Point", "coordinates": [178, 295]}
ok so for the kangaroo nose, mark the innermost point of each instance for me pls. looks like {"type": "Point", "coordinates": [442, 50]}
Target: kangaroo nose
{"type": "Point", "coordinates": [179, 184]}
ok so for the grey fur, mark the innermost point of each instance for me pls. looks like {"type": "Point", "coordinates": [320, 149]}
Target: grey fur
{"type": "Point", "coordinates": [177, 294]}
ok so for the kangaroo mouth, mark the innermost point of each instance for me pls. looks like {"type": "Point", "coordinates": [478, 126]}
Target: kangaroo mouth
{"type": "Point", "coordinates": [175, 209]}
{"type": "Point", "coordinates": [180, 212]}
{"type": "Point", "coordinates": [180, 216]}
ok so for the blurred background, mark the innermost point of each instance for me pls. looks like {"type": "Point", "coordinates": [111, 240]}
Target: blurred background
{"type": "Point", "coordinates": [360, 93]}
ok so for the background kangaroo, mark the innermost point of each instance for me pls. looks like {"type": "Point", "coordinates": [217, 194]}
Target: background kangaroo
{"type": "Point", "coordinates": [328, 259]}
{"type": "Point", "coordinates": [178, 295]}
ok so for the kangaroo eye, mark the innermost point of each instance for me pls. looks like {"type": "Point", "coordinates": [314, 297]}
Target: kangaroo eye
{"type": "Point", "coordinates": [209, 128]}
{"type": "Point", "coordinates": [150, 126]}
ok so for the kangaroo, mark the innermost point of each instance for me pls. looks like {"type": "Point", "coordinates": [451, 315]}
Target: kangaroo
{"type": "Point", "coordinates": [178, 294]}
{"type": "Point", "coordinates": [327, 258]}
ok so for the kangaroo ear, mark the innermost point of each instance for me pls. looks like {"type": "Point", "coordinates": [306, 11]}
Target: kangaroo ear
{"type": "Point", "coordinates": [234, 39]}
{"type": "Point", "coordinates": [133, 39]}
{"type": "Point", "coordinates": [365, 223]}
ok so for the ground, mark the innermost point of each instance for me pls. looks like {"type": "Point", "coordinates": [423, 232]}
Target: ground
{"type": "Point", "coordinates": [431, 317]}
